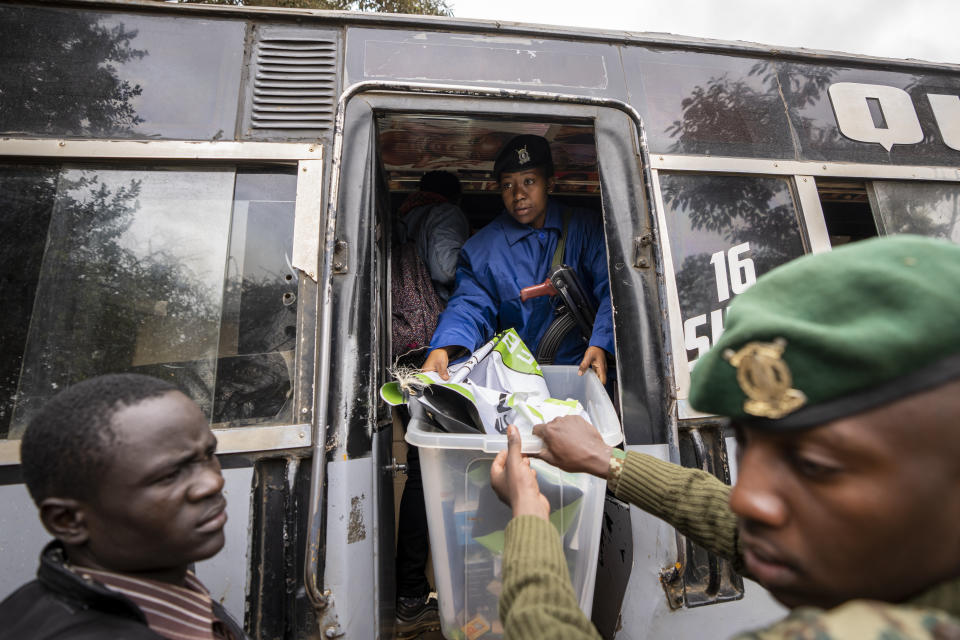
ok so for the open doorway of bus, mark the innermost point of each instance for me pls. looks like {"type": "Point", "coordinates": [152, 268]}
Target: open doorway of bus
{"type": "Point", "coordinates": [411, 144]}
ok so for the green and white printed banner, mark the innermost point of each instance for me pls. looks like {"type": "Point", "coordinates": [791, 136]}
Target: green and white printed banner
{"type": "Point", "coordinates": [504, 383]}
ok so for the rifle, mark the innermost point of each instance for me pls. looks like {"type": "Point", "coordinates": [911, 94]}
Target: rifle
{"type": "Point", "coordinates": [574, 310]}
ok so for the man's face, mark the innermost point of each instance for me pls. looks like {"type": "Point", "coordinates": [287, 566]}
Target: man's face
{"type": "Point", "coordinates": [862, 507]}
{"type": "Point", "coordinates": [525, 196]}
{"type": "Point", "coordinates": [159, 505]}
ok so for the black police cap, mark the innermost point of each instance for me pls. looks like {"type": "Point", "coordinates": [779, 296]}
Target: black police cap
{"type": "Point", "coordinates": [522, 153]}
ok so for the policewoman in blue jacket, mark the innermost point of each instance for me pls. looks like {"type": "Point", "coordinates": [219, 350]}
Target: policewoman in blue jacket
{"type": "Point", "coordinates": [515, 251]}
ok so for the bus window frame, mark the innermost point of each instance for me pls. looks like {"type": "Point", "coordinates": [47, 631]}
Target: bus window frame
{"type": "Point", "coordinates": [802, 175]}
{"type": "Point", "coordinates": [369, 98]}
{"type": "Point", "coordinates": [308, 214]}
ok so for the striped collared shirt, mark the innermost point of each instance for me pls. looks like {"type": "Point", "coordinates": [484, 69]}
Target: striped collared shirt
{"type": "Point", "coordinates": [178, 613]}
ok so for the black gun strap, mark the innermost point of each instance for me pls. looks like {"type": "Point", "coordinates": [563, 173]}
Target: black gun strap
{"type": "Point", "coordinates": [565, 322]}
{"type": "Point", "coordinates": [562, 242]}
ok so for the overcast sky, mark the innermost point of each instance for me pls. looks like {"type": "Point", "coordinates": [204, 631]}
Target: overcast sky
{"type": "Point", "coordinates": [921, 29]}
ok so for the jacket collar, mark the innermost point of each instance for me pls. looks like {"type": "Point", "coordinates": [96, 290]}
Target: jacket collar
{"type": "Point", "coordinates": [514, 232]}
{"type": "Point", "coordinates": [56, 576]}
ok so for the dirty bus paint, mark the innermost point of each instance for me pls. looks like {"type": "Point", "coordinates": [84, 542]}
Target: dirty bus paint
{"type": "Point", "coordinates": [205, 196]}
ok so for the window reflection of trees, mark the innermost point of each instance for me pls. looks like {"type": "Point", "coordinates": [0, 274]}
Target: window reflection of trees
{"type": "Point", "coordinates": [107, 294]}
{"type": "Point", "coordinates": [805, 94]}
{"type": "Point", "coordinates": [928, 209]}
{"type": "Point", "coordinates": [726, 111]}
{"type": "Point", "coordinates": [28, 194]}
{"type": "Point", "coordinates": [58, 74]}
{"type": "Point", "coordinates": [734, 210]}
{"type": "Point", "coordinates": [98, 296]}
{"type": "Point", "coordinates": [730, 110]}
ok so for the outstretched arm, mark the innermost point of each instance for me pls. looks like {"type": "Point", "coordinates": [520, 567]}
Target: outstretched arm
{"type": "Point", "coordinates": [537, 599]}
{"type": "Point", "coordinates": [693, 501]}
{"type": "Point", "coordinates": [470, 317]}
{"type": "Point", "coordinates": [596, 263]}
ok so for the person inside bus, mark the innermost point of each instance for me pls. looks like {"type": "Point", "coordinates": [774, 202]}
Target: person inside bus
{"type": "Point", "coordinates": [429, 230]}
{"type": "Point", "coordinates": [123, 471]}
{"type": "Point", "coordinates": [516, 250]}
{"type": "Point", "coordinates": [430, 220]}
{"type": "Point", "coordinates": [841, 374]}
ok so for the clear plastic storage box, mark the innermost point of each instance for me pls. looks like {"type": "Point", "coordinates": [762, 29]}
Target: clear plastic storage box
{"type": "Point", "coordinates": [467, 520]}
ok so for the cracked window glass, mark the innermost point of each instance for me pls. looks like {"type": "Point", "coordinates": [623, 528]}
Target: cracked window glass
{"type": "Point", "coordinates": [181, 273]}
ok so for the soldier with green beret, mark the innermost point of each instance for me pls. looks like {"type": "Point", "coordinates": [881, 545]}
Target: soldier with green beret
{"type": "Point", "coordinates": [841, 375]}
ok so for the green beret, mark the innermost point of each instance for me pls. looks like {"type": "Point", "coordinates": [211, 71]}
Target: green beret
{"type": "Point", "coordinates": [834, 334]}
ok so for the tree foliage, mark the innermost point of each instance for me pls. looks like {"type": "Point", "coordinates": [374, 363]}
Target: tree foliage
{"type": "Point", "coordinates": [421, 7]}
{"type": "Point", "coordinates": [60, 74]}
{"type": "Point", "coordinates": [101, 303]}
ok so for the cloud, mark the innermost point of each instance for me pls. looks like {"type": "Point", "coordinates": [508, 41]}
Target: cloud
{"type": "Point", "coordinates": [922, 29]}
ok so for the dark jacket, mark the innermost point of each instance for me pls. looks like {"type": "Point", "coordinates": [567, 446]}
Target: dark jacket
{"type": "Point", "coordinates": [60, 604]}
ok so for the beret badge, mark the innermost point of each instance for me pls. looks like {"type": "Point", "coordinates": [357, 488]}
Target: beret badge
{"type": "Point", "coordinates": [523, 156]}
{"type": "Point", "coordinates": [765, 379]}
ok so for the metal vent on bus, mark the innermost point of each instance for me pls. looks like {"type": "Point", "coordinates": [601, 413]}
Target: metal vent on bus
{"type": "Point", "coordinates": [295, 83]}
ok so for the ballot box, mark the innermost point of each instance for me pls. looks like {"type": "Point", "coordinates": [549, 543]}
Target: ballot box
{"type": "Point", "coordinates": [467, 520]}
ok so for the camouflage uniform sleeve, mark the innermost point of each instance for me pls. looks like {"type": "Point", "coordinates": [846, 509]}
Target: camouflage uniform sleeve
{"type": "Point", "coordinates": [862, 619]}
{"type": "Point", "coordinates": [692, 501]}
{"type": "Point", "coordinates": [537, 599]}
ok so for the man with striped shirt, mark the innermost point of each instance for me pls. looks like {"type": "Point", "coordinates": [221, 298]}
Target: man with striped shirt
{"type": "Point", "coordinates": [123, 471]}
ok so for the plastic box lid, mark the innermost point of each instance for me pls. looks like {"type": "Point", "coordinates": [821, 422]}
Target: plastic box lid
{"type": "Point", "coordinates": [563, 382]}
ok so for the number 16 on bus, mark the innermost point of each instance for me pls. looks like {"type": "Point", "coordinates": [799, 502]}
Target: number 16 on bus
{"type": "Point", "coordinates": [733, 274]}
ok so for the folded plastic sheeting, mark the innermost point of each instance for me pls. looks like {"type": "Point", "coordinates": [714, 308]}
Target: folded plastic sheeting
{"type": "Point", "coordinates": [498, 385]}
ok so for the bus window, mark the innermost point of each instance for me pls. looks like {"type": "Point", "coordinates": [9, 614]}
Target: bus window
{"type": "Point", "coordinates": [846, 210]}
{"type": "Point", "coordinates": [259, 323]}
{"type": "Point", "coordinates": [925, 208]}
{"type": "Point", "coordinates": [72, 72]}
{"type": "Point", "coordinates": [702, 103]}
{"type": "Point", "coordinates": [180, 273]}
{"type": "Point", "coordinates": [724, 232]}
{"type": "Point", "coordinates": [27, 200]}
{"type": "Point", "coordinates": [411, 145]}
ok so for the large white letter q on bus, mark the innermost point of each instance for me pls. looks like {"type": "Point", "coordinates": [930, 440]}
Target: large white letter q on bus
{"type": "Point", "coordinates": [851, 106]}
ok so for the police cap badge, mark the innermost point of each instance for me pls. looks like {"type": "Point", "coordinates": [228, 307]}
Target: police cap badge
{"type": "Point", "coordinates": [522, 153]}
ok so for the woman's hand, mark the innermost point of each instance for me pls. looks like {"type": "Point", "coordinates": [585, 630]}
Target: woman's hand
{"type": "Point", "coordinates": [437, 360]}
{"type": "Point", "coordinates": [595, 358]}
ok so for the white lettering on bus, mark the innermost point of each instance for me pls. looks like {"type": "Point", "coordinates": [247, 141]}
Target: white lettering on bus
{"type": "Point", "coordinates": [731, 272]}
{"type": "Point", "coordinates": [900, 125]}
{"type": "Point", "coordinates": [851, 106]}
{"type": "Point", "coordinates": [946, 111]}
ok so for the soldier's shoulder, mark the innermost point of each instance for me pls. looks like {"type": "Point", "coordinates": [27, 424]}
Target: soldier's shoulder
{"type": "Point", "coordinates": [862, 620]}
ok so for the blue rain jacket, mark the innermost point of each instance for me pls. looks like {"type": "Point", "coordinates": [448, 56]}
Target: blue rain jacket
{"type": "Point", "coordinates": [506, 256]}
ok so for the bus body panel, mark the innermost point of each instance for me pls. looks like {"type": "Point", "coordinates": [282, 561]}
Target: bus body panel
{"type": "Point", "coordinates": [757, 156]}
